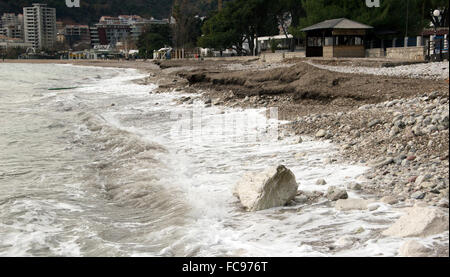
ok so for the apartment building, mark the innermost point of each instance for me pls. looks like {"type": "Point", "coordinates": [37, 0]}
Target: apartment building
{"type": "Point", "coordinates": [11, 25]}
{"type": "Point", "coordinates": [40, 26]}
{"type": "Point", "coordinates": [95, 41]}
{"type": "Point", "coordinates": [77, 33]}
{"type": "Point", "coordinates": [112, 30]}
{"type": "Point", "coordinates": [8, 42]}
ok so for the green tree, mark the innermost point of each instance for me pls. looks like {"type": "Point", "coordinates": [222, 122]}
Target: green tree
{"type": "Point", "coordinates": [188, 24]}
{"type": "Point", "coordinates": [393, 15]}
{"type": "Point", "coordinates": [11, 53]}
{"type": "Point", "coordinates": [273, 45]}
{"type": "Point", "coordinates": [91, 10]}
{"type": "Point", "coordinates": [154, 37]}
{"type": "Point", "coordinates": [238, 22]}
{"type": "Point", "coordinates": [220, 33]}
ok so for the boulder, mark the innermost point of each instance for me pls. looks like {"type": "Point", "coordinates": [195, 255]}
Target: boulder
{"type": "Point", "coordinates": [418, 195]}
{"type": "Point", "coordinates": [271, 188]}
{"type": "Point", "coordinates": [351, 204]}
{"type": "Point", "coordinates": [419, 222]}
{"type": "Point", "coordinates": [413, 248]}
{"type": "Point", "coordinates": [321, 133]}
{"type": "Point", "coordinates": [382, 162]}
{"type": "Point", "coordinates": [335, 193]}
{"type": "Point", "coordinates": [373, 123]}
{"type": "Point", "coordinates": [390, 200]}
{"type": "Point", "coordinates": [354, 186]}
{"type": "Point", "coordinates": [321, 182]}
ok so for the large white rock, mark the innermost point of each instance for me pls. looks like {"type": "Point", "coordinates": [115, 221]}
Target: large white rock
{"type": "Point", "coordinates": [419, 222]}
{"type": "Point", "coordinates": [413, 248]}
{"type": "Point", "coordinates": [271, 188]}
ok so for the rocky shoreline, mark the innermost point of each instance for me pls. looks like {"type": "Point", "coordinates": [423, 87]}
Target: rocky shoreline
{"type": "Point", "coordinates": [396, 125]}
{"type": "Point", "coordinates": [404, 142]}
{"type": "Point", "coordinates": [402, 137]}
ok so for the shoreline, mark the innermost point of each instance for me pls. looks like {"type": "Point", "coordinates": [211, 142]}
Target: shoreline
{"type": "Point", "coordinates": [402, 138]}
{"type": "Point", "coordinates": [388, 134]}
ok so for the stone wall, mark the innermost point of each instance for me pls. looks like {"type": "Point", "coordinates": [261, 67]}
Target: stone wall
{"type": "Point", "coordinates": [235, 58]}
{"type": "Point", "coordinates": [375, 53]}
{"type": "Point", "coordinates": [279, 57]}
{"type": "Point", "coordinates": [328, 51]}
{"type": "Point", "coordinates": [349, 51]}
{"type": "Point", "coordinates": [266, 57]}
{"type": "Point", "coordinates": [406, 53]}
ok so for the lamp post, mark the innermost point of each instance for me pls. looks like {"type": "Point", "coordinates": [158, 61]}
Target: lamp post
{"type": "Point", "coordinates": [407, 23]}
{"type": "Point", "coordinates": [437, 18]}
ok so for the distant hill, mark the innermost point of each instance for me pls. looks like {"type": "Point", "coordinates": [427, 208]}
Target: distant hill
{"type": "Point", "coordinates": [91, 10]}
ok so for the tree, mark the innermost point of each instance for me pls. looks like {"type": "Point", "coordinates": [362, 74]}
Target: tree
{"type": "Point", "coordinates": [220, 33]}
{"type": "Point", "coordinates": [188, 24]}
{"type": "Point", "coordinates": [287, 13]}
{"type": "Point", "coordinates": [154, 37]}
{"type": "Point", "coordinates": [393, 15]}
{"type": "Point", "coordinates": [2, 53]}
{"type": "Point", "coordinates": [239, 21]}
{"type": "Point", "coordinates": [11, 52]}
{"type": "Point", "coordinates": [273, 45]}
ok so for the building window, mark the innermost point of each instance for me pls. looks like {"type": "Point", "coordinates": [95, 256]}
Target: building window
{"type": "Point", "coordinates": [348, 41]}
{"type": "Point", "coordinates": [315, 41]}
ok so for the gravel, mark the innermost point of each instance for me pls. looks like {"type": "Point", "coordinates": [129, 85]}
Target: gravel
{"type": "Point", "coordinates": [436, 71]}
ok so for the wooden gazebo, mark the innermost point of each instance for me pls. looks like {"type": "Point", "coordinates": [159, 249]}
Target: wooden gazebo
{"type": "Point", "coordinates": [336, 38]}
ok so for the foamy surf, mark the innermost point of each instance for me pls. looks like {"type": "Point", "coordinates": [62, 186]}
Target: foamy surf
{"type": "Point", "coordinates": [115, 176]}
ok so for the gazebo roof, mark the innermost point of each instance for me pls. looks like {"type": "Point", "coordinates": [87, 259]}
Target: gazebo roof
{"type": "Point", "coordinates": [339, 23]}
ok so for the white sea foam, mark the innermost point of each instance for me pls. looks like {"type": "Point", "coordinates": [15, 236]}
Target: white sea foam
{"type": "Point", "coordinates": [118, 181]}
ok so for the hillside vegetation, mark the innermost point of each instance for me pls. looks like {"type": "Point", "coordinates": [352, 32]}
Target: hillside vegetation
{"type": "Point", "coordinates": [91, 10]}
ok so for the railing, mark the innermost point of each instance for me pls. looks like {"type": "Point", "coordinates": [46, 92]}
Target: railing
{"type": "Point", "coordinates": [437, 50]}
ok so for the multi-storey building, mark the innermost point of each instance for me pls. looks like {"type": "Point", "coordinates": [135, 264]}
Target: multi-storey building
{"type": "Point", "coordinates": [40, 26]}
{"type": "Point", "coordinates": [60, 27]}
{"type": "Point", "coordinates": [7, 42]}
{"type": "Point", "coordinates": [11, 25]}
{"type": "Point", "coordinates": [111, 30]}
{"type": "Point", "coordinates": [93, 31]}
{"type": "Point", "coordinates": [77, 33]}
{"type": "Point", "coordinates": [111, 34]}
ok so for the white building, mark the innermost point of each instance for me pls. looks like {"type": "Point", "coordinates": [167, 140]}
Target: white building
{"type": "Point", "coordinates": [11, 25]}
{"type": "Point", "coordinates": [7, 42]}
{"type": "Point", "coordinates": [40, 26]}
{"type": "Point", "coordinates": [112, 30]}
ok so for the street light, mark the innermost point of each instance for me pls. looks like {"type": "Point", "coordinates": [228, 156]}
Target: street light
{"type": "Point", "coordinates": [437, 13]}
{"type": "Point", "coordinates": [437, 22]}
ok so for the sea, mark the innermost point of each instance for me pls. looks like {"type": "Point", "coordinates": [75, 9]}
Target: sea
{"type": "Point", "coordinates": [94, 163]}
